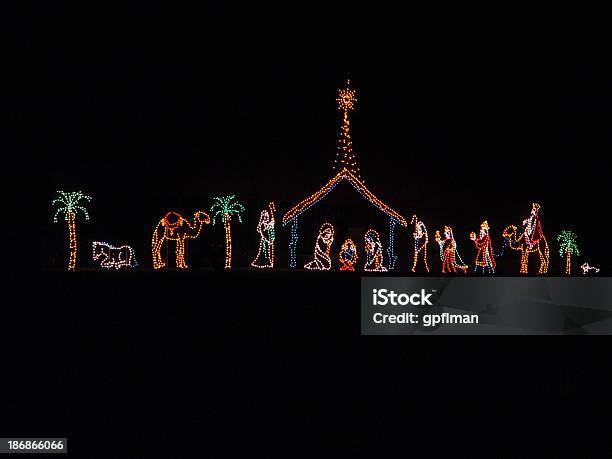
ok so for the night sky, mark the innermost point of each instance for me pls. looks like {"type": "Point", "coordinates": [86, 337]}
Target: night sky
{"type": "Point", "coordinates": [461, 115]}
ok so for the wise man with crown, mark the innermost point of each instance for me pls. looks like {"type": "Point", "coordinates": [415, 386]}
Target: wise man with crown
{"type": "Point", "coordinates": [532, 226]}
{"type": "Point", "coordinates": [485, 258]}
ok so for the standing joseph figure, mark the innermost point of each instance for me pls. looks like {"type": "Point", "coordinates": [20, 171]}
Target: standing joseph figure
{"type": "Point", "coordinates": [265, 228]}
{"type": "Point", "coordinates": [421, 239]}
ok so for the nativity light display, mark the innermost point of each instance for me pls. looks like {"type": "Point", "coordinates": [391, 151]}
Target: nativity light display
{"type": "Point", "coordinates": [374, 252]}
{"type": "Point", "coordinates": [568, 247]}
{"type": "Point", "coordinates": [421, 239]}
{"type": "Point", "coordinates": [109, 256]}
{"type": "Point", "coordinates": [346, 170]}
{"type": "Point", "coordinates": [174, 227]}
{"type": "Point", "coordinates": [344, 175]}
{"type": "Point", "coordinates": [70, 204]}
{"type": "Point", "coordinates": [348, 256]}
{"type": "Point", "coordinates": [322, 258]}
{"type": "Point", "coordinates": [485, 258]}
{"type": "Point", "coordinates": [451, 260]}
{"type": "Point", "coordinates": [532, 240]}
{"type": "Point", "coordinates": [265, 229]}
{"type": "Point", "coordinates": [225, 207]}
{"type": "Point", "coordinates": [529, 240]}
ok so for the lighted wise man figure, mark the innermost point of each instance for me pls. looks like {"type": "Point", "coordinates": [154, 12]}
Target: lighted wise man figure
{"type": "Point", "coordinates": [448, 252]}
{"type": "Point", "coordinates": [532, 227]}
{"type": "Point", "coordinates": [421, 239]}
{"type": "Point", "coordinates": [322, 260]}
{"type": "Point", "coordinates": [484, 258]}
{"type": "Point", "coordinates": [265, 229]}
{"type": "Point", "coordinates": [531, 240]}
{"type": "Point", "coordinates": [374, 252]}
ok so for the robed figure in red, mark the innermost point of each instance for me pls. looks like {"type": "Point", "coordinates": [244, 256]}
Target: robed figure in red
{"type": "Point", "coordinates": [485, 258]}
{"type": "Point", "coordinates": [448, 252]}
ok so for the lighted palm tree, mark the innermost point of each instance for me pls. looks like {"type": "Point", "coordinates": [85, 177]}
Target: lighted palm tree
{"type": "Point", "coordinates": [567, 248]}
{"type": "Point", "coordinates": [225, 207]}
{"type": "Point", "coordinates": [69, 204]}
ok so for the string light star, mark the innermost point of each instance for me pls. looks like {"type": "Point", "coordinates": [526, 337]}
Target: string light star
{"type": "Point", "coordinates": [265, 229]}
{"type": "Point", "coordinates": [345, 158]}
{"type": "Point", "coordinates": [421, 239]}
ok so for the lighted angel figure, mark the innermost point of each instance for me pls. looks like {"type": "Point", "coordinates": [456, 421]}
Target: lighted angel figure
{"type": "Point", "coordinates": [421, 239]}
{"type": "Point", "coordinates": [348, 256]}
{"type": "Point", "coordinates": [374, 252]}
{"type": "Point", "coordinates": [448, 252]}
{"type": "Point", "coordinates": [265, 228]}
{"type": "Point", "coordinates": [485, 258]}
{"type": "Point", "coordinates": [322, 260]}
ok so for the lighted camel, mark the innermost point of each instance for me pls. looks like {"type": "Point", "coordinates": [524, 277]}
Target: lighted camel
{"type": "Point", "coordinates": [540, 247]}
{"type": "Point", "coordinates": [174, 227]}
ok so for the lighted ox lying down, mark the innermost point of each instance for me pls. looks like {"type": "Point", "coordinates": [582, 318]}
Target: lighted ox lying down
{"type": "Point", "coordinates": [110, 256]}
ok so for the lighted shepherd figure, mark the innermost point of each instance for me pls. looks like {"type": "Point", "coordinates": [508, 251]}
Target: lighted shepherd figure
{"type": "Point", "coordinates": [531, 241]}
{"type": "Point", "coordinates": [421, 239]}
{"type": "Point", "coordinates": [70, 205]}
{"type": "Point", "coordinates": [174, 227]}
{"type": "Point", "coordinates": [322, 259]}
{"type": "Point", "coordinates": [265, 229]}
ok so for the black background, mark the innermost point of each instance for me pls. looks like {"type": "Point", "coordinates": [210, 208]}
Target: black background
{"type": "Point", "coordinates": [463, 113]}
